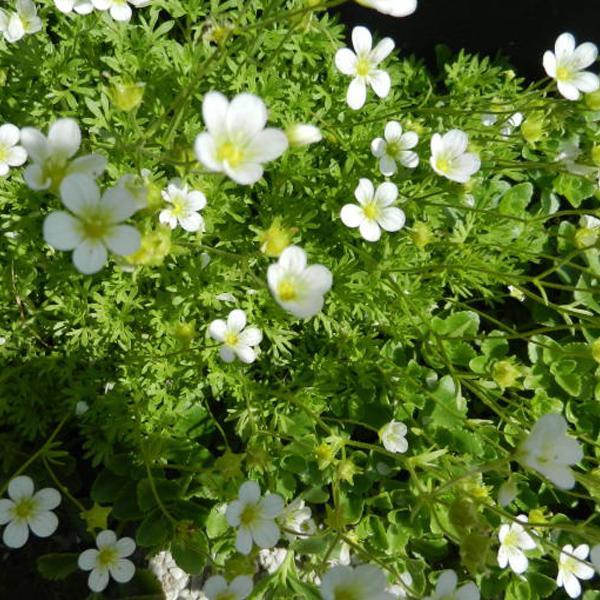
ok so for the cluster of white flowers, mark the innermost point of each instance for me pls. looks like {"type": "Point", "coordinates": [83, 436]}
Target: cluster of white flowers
{"type": "Point", "coordinates": [119, 10]}
{"type": "Point", "coordinates": [15, 25]}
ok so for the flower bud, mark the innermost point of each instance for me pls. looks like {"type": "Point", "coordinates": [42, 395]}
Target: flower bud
{"type": "Point", "coordinates": [532, 128]}
{"type": "Point", "coordinates": [592, 101]}
{"type": "Point", "coordinates": [421, 235]}
{"type": "Point", "coordinates": [303, 134]}
{"type": "Point", "coordinates": [185, 332]}
{"type": "Point", "coordinates": [507, 493]}
{"type": "Point", "coordinates": [595, 348]}
{"type": "Point", "coordinates": [275, 239]}
{"type": "Point", "coordinates": [586, 237]}
{"type": "Point", "coordinates": [505, 373]}
{"type": "Point", "coordinates": [155, 246]}
{"type": "Point", "coordinates": [127, 96]}
{"type": "Point", "coordinates": [596, 155]}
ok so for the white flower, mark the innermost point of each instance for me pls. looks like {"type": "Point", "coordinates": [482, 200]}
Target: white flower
{"type": "Point", "coordinates": [296, 516]}
{"type": "Point", "coordinates": [513, 540]}
{"type": "Point", "coordinates": [216, 588]}
{"type": "Point", "coordinates": [255, 517]}
{"type": "Point", "coordinates": [571, 569]}
{"type": "Point", "coordinates": [11, 155]}
{"type": "Point", "coordinates": [136, 188]}
{"type": "Point", "coordinates": [238, 340]}
{"type": "Point", "coordinates": [119, 9]}
{"type": "Point", "coordinates": [362, 65]}
{"type": "Point", "coordinates": [395, 147]}
{"type": "Point", "coordinates": [488, 119]}
{"type": "Point", "coordinates": [446, 588]}
{"type": "Point", "coordinates": [26, 510]}
{"type": "Point", "coordinates": [449, 156]}
{"type": "Point", "coordinates": [271, 560]}
{"type": "Point", "coordinates": [568, 153]}
{"type": "Point", "coordinates": [81, 408]}
{"type": "Point", "coordinates": [393, 437]}
{"type": "Point", "coordinates": [298, 288]}
{"type": "Point", "coordinates": [17, 24]}
{"type": "Point", "coordinates": [95, 224]}
{"type": "Point", "coordinates": [303, 134]}
{"type": "Point", "coordinates": [227, 297]}
{"type": "Point", "coordinates": [82, 7]}
{"type": "Point", "coordinates": [548, 450]}
{"type": "Point", "coordinates": [399, 591]}
{"type": "Point", "coordinates": [237, 142]}
{"type": "Point", "coordinates": [567, 63]}
{"type": "Point", "coordinates": [373, 211]}
{"type": "Point", "coordinates": [51, 155]}
{"type": "Point", "coordinates": [507, 493]}
{"type": "Point", "coordinates": [109, 558]}
{"type": "Point", "coordinates": [394, 8]}
{"type": "Point", "coordinates": [365, 582]}
{"type": "Point", "coordinates": [185, 205]}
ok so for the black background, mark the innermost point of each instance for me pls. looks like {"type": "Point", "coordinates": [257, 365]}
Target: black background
{"type": "Point", "coordinates": [520, 29]}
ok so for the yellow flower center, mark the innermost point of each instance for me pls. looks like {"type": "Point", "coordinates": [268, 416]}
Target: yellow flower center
{"type": "Point", "coordinates": [563, 74]}
{"type": "Point", "coordinates": [107, 556]}
{"type": "Point", "coordinates": [443, 164]}
{"type": "Point", "coordinates": [225, 596]}
{"type": "Point", "coordinates": [392, 149]}
{"type": "Point", "coordinates": [371, 210]}
{"type": "Point", "coordinates": [24, 508]}
{"type": "Point", "coordinates": [179, 206]}
{"type": "Point", "coordinates": [249, 515]}
{"type": "Point", "coordinates": [287, 291]}
{"type": "Point", "coordinates": [345, 594]}
{"type": "Point", "coordinates": [3, 153]}
{"type": "Point", "coordinates": [231, 339]}
{"type": "Point", "coordinates": [95, 228]}
{"type": "Point", "coordinates": [231, 153]}
{"type": "Point", "coordinates": [363, 66]}
{"type": "Point", "coordinates": [511, 539]}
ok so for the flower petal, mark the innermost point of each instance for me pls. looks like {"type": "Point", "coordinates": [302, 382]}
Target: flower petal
{"type": "Point", "coordinates": [387, 166]}
{"type": "Point", "coordinates": [357, 93]}
{"type": "Point", "coordinates": [378, 147]}
{"type": "Point", "coordinates": [586, 82]}
{"type": "Point", "coordinates": [241, 587]}
{"type": "Point", "coordinates": [214, 585]}
{"type": "Point", "coordinates": [79, 194]}
{"type": "Point", "coordinates": [106, 538]}
{"type": "Point", "coordinates": [123, 571]}
{"type": "Point", "coordinates": [90, 164]}
{"type": "Point", "coordinates": [64, 138]}
{"type": "Point", "coordinates": [249, 492]}
{"type": "Point", "coordinates": [89, 257]}
{"type": "Point", "coordinates": [446, 584]}
{"type": "Point", "coordinates": [206, 152]}
{"type": "Point", "coordinates": [271, 505]}
{"type": "Point", "coordinates": [319, 279]}
{"type": "Point", "coordinates": [35, 143]}
{"type": "Point", "coordinates": [380, 82]}
{"type": "Point", "coordinates": [246, 116]}
{"type": "Point", "coordinates": [47, 498]}
{"type": "Point", "coordinates": [345, 61]}
{"type": "Point", "coordinates": [62, 231]}
{"type": "Point", "coordinates": [214, 113]}
{"type": "Point", "coordinates": [392, 219]}
{"type": "Point", "coordinates": [245, 353]}
{"type": "Point", "coordinates": [251, 336]}
{"type": "Point", "coordinates": [386, 194]}
{"type": "Point", "coordinates": [87, 559]}
{"type": "Point", "coordinates": [267, 145]}
{"type": "Point", "coordinates": [20, 487]}
{"type": "Point", "coordinates": [121, 12]}
{"type": "Point", "coordinates": [196, 200]}
{"type": "Point", "coordinates": [243, 541]}
{"type": "Point", "coordinates": [118, 204]}
{"type": "Point", "coordinates": [362, 40]}
{"type": "Point", "coordinates": [568, 90]}
{"type": "Point", "coordinates": [382, 50]}
{"type": "Point", "coordinates": [6, 511]}
{"type": "Point", "coordinates": [36, 179]}
{"type": "Point", "coordinates": [352, 215]}
{"type": "Point", "coordinates": [227, 354]}
{"type": "Point", "coordinates": [549, 62]}
{"type": "Point", "coordinates": [15, 534]}
{"type": "Point", "coordinates": [393, 131]}
{"type": "Point", "coordinates": [17, 155]}
{"type": "Point", "coordinates": [246, 173]}
{"type": "Point", "coordinates": [265, 533]}
{"type": "Point", "coordinates": [98, 580]}
{"type": "Point", "coordinates": [217, 330]}
{"type": "Point", "coordinates": [236, 321]}
{"type": "Point", "coordinates": [370, 230]}
{"type": "Point", "coordinates": [192, 222]}
{"type": "Point", "coordinates": [43, 523]}
{"type": "Point", "coordinates": [365, 191]}
{"type": "Point", "coordinates": [585, 54]}
{"type": "Point", "coordinates": [123, 240]}
{"type": "Point", "coordinates": [293, 259]}
{"type": "Point", "coordinates": [9, 135]}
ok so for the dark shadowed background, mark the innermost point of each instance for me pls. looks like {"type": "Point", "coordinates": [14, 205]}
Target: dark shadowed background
{"type": "Point", "coordinates": [520, 29]}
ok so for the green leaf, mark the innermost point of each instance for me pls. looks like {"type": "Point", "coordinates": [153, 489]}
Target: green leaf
{"type": "Point", "coordinates": [575, 189]}
{"type": "Point", "coordinates": [57, 566]}
{"type": "Point", "coordinates": [166, 490]}
{"type": "Point", "coordinates": [515, 201]}
{"type": "Point", "coordinates": [154, 530]}
{"type": "Point", "coordinates": [570, 382]}
{"type": "Point", "coordinates": [190, 552]}
{"type": "Point", "coordinates": [464, 323]}
{"type": "Point", "coordinates": [106, 487]}
{"type": "Point", "coordinates": [216, 524]}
